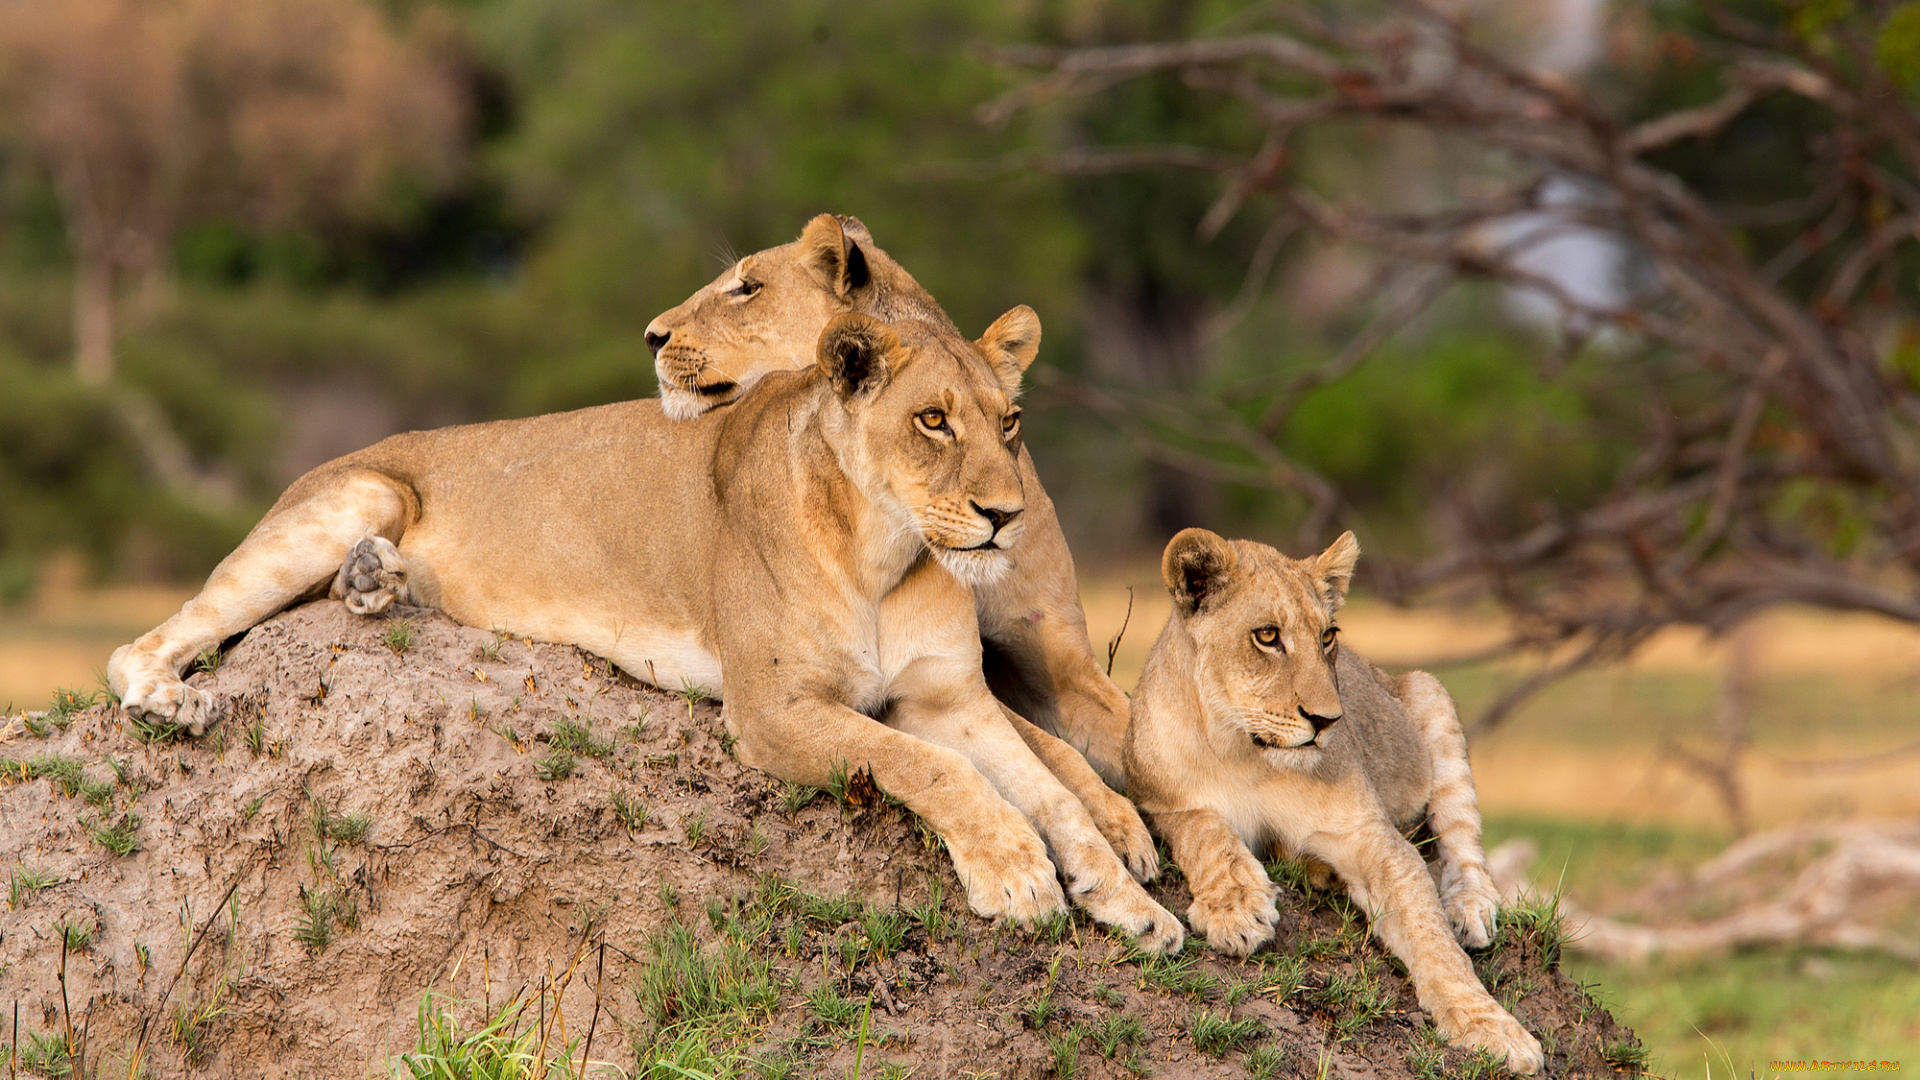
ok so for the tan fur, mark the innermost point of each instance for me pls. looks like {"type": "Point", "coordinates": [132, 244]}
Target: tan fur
{"type": "Point", "coordinates": [760, 316]}
{"type": "Point", "coordinates": [794, 555]}
{"type": "Point", "coordinates": [1253, 730]}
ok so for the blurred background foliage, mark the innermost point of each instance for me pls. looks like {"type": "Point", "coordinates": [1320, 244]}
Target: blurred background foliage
{"type": "Point", "coordinates": [599, 161]}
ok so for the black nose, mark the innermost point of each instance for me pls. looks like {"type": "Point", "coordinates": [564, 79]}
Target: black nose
{"type": "Point", "coordinates": [657, 341]}
{"type": "Point", "coordinates": [998, 518]}
{"type": "Point", "coordinates": [1320, 723]}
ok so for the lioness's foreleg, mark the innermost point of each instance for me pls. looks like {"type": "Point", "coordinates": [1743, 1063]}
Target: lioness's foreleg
{"type": "Point", "coordinates": [805, 740]}
{"type": "Point", "coordinates": [950, 707]}
{"type": "Point", "coordinates": [1386, 878]}
{"type": "Point", "coordinates": [1112, 814]}
{"type": "Point", "coordinates": [295, 550]}
{"type": "Point", "coordinates": [1033, 618]}
{"type": "Point", "coordinates": [1467, 892]}
{"type": "Point", "coordinates": [1232, 895]}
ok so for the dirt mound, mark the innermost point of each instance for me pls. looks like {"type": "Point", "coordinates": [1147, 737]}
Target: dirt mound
{"type": "Point", "coordinates": [400, 806]}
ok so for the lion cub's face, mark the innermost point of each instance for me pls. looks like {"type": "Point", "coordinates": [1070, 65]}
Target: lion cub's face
{"type": "Point", "coordinates": [932, 431]}
{"type": "Point", "coordinates": [1264, 637]}
{"type": "Point", "coordinates": [765, 313]}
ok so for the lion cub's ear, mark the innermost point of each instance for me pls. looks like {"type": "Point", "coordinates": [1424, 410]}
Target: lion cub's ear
{"type": "Point", "coordinates": [1333, 570]}
{"type": "Point", "coordinates": [833, 253]}
{"type": "Point", "coordinates": [1196, 565]}
{"type": "Point", "coordinates": [853, 353]}
{"type": "Point", "coordinates": [1011, 343]}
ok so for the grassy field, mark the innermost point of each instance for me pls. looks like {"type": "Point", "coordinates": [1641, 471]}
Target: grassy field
{"type": "Point", "coordinates": [1587, 770]}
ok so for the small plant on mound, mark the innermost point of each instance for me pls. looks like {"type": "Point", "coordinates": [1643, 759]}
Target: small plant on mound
{"type": "Point", "coordinates": [122, 838]}
{"type": "Point", "coordinates": [23, 883]}
{"type": "Point", "coordinates": [399, 636]}
{"type": "Point", "coordinates": [577, 738]}
{"type": "Point", "coordinates": [153, 731]}
{"type": "Point", "coordinates": [1215, 1035]}
{"type": "Point", "coordinates": [330, 827]}
{"type": "Point", "coordinates": [556, 766]}
{"type": "Point", "coordinates": [520, 1042]}
{"type": "Point", "coordinates": [45, 1054]}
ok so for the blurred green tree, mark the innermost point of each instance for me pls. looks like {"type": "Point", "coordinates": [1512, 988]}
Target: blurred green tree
{"type": "Point", "coordinates": [144, 113]}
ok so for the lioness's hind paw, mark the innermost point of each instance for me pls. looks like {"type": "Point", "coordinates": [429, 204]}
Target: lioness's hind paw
{"type": "Point", "coordinates": [373, 577]}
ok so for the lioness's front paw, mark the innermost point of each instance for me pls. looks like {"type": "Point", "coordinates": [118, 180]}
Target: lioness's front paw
{"type": "Point", "coordinates": [155, 692]}
{"type": "Point", "coordinates": [1485, 1025]}
{"type": "Point", "coordinates": [1008, 876]}
{"type": "Point", "coordinates": [373, 577]}
{"type": "Point", "coordinates": [1120, 823]}
{"type": "Point", "coordinates": [1235, 910]}
{"type": "Point", "coordinates": [1115, 899]}
{"type": "Point", "coordinates": [1472, 904]}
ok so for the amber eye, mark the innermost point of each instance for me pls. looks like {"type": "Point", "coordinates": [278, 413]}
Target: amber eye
{"type": "Point", "coordinates": [1327, 636]}
{"type": "Point", "coordinates": [1267, 637]}
{"type": "Point", "coordinates": [1010, 425]}
{"type": "Point", "coordinates": [746, 288]}
{"type": "Point", "coordinates": [934, 419]}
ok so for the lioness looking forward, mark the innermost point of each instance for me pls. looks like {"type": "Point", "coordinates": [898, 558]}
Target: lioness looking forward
{"type": "Point", "coordinates": [795, 556]}
{"type": "Point", "coordinates": [1252, 729]}
{"type": "Point", "coordinates": [762, 315]}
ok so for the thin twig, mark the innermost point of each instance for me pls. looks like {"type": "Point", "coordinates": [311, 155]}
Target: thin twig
{"type": "Point", "coordinates": [1113, 646]}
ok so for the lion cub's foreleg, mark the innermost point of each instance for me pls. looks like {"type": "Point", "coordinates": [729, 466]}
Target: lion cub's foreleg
{"type": "Point", "coordinates": [1232, 895]}
{"type": "Point", "coordinates": [291, 553]}
{"type": "Point", "coordinates": [1467, 892]}
{"type": "Point", "coordinates": [1386, 877]}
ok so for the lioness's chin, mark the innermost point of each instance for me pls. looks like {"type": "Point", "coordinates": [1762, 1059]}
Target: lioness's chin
{"type": "Point", "coordinates": [973, 567]}
{"type": "Point", "coordinates": [681, 404]}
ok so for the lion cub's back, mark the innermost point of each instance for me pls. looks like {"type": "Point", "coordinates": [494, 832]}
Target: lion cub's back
{"type": "Point", "coordinates": [1377, 733]}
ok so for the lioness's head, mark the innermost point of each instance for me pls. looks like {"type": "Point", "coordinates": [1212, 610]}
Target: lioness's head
{"type": "Point", "coordinates": [1263, 635]}
{"type": "Point", "coordinates": [927, 425]}
{"type": "Point", "coordinates": [765, 312]}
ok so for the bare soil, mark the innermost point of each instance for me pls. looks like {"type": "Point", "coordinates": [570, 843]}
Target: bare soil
{"type": "Point", "coordinates": [383, 813]}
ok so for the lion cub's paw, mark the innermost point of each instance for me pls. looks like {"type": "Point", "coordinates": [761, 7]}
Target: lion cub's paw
{"type": "Point", "coordinates": [156, 693]}
{"type": "Point", "coordinates": [1008, 877]}
{"type": "Point", "coordinates": [373, 577]}
{"type": "Point", "coordinates": [1489, 1027]}
{"type": "Point", "coordinates": [1472, 905]}
{"type": "Point", "coordinates": [1235, 912]}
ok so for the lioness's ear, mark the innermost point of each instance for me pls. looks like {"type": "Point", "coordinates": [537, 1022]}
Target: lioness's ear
{"type": "Point", "coordinates": [1011, 343]}
{"type": "Point", "coordinates": [1196, 565]}
{"type": "Point", "coordinates": [1333, 570]}
{"type": "Point", "coordinates": [855, 229]}
{"type": "Point", "coordinates": [833, 253]}
{"type": "Point", "coordinates": [853, 353]}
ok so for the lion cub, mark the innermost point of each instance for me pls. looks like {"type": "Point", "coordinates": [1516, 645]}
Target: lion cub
{"type": "Point", "coordinates": [1253, 729]}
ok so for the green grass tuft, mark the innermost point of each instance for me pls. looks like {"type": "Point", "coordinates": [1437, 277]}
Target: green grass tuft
{"type": "Point", "coordinates": [24, 884]}
{"type": "Point", "coordinates": [122, 838]}
{"type": "Point", "coordinates": [1217, 1035]}
{"type": "Point", "coordinates": [557, 765]}
{"type": "Point", "coordinates": [577, 738]}
{"type": "Point", "coordinates": [399, 636]}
